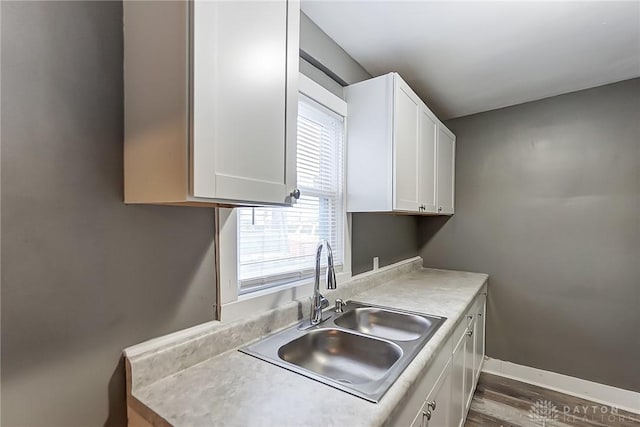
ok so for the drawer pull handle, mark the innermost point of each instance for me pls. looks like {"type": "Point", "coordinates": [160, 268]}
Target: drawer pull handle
{"type": "Point", "coordinates": [432, 405]}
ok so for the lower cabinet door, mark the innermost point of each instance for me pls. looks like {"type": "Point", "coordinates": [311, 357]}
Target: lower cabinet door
{"type": "Point", "coordinates": [469, 371]}
{"type": "Point", "coordinates": [436, 410]}
{"type": "Point", "coordinates": [439, 402]}
{"type": "Point", "coordinates": [457, 385]}
{"type": "Point", "coordinates": [479, 336]}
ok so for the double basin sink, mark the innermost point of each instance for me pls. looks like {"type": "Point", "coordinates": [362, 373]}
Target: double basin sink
{"type": "Point", "coordinates": [361, 351]}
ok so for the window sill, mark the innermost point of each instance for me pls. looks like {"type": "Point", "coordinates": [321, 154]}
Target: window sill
{"type": "Point", "coordinates": [269, 299]}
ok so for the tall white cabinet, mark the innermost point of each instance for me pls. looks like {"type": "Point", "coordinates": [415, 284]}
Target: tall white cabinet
{"type": "Point", "coordinates": [211, 102]}
{"type": "Point", "coordinates": [400, 157]}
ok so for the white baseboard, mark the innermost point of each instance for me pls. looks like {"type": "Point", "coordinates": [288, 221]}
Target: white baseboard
{"type": "Point", "coordinates": [625, 400]}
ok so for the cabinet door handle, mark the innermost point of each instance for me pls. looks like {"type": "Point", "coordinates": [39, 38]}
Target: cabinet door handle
{"type": "Point", "coordinates": [427, 414]}
{"type": "Point", "coordinates": [440, 209]}
{"type": "Point", "coordinates": [432, 405]}
{"type": "Point", "coordinates": [295, 193]}
{"type": "Point", "coordinates": [470, 332]}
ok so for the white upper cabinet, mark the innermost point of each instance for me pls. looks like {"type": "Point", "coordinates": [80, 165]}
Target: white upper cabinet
{"type": "Point", "coordinates": [393, 158]}
{"type": "Point", "coordinates": [211, 102]}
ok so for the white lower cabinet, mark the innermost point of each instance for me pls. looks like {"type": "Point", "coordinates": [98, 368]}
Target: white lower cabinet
{"type": "Point", "coordinates": [441, 397]}
{"type": "Point", "coordinates": [435, 410]}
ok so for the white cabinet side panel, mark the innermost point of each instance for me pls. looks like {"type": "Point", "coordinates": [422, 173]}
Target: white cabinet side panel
{"type": "Point", "coordinates": [369, 145]}
{"type": "Point", "coordinates": [156, 101]}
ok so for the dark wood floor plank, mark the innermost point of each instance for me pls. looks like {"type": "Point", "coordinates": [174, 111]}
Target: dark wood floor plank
{"type": "Point", "coordinates": [478, 419]}
{"type": "Point", "coordinates": [501, 401]}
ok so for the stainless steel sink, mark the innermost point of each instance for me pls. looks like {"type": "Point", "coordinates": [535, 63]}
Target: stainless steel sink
{"type": "Point", "coordinates": [342, 356]}
{"type": "Point", "coordinates": [383, 323]}
{"type": "Point", "coordinates": [361, 351]}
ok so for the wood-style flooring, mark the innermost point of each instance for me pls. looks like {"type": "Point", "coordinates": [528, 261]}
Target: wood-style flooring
{"type": "Point", "coordinates": [500, 401]}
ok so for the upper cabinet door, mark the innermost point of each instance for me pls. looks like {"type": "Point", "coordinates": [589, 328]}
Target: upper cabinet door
{"type": "Point", "coordinates": [211, 102]}
{"type": "Point", "coordinates": [405, 147]}
{"type": "Point", "coordinates": [446, 152]}
{"type": "Point", "coordinates": [245, 68]}
{"type": "Point", "coordinates": [428, 159]}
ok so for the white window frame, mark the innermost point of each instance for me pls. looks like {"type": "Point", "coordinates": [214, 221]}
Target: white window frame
{"type": "Point", "coordinates": [235, 306]}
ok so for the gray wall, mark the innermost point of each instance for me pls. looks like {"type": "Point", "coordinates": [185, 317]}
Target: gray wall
{"type": "Point", "coordinates": [548, 204]}
{"type": "Point", "coordinates": [319, 49]}
{"type": "Point", "coordinates": [83, 275]}
{"type": "Point", "coordinates": [392, 238]}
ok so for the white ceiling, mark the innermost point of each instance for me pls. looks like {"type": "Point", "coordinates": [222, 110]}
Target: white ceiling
{"type": "Point", "coordinates": [467, 57]}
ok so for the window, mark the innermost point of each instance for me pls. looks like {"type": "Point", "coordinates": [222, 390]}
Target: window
{"type": "Point", "coordinates": [278, 245]}
{"type": "Point", "coordinates": [267, 255]}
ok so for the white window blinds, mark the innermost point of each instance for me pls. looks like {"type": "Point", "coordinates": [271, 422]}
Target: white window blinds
{"type": "Point", "coordinates": [277, 245]}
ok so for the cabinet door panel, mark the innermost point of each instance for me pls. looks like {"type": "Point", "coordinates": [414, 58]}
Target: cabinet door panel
{"type": "Point", "coordinates": [405, 148]}
{"type": "Point", "coordinates": [469, 378]}
{"type": "Point", "coordinates": [479, 336]}
{"type": "Point", "coordinates": [457, 385]}
{"type": "Point", "coordinates": [427, 166]}
{"type": "Point", "coordinates": [446, 170]}
{"type": "Point", "coordinates": [441, 397]}
{"type": "Point", "coordinates": [241, 148]}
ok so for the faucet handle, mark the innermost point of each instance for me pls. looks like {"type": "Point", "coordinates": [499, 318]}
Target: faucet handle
{"type": "Point", "coordinates": [340, 304]}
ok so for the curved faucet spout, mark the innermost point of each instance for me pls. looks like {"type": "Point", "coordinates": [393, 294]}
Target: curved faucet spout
{"type": "Point", "coordinates": [319, 302]}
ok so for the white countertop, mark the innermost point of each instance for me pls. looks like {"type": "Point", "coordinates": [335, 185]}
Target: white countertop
{"type": "Point", "coordinates": [235, 389]}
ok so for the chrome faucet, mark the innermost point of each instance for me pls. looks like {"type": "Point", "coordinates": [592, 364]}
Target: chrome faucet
{"type": "Point", "coordinates": [318, 302]}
